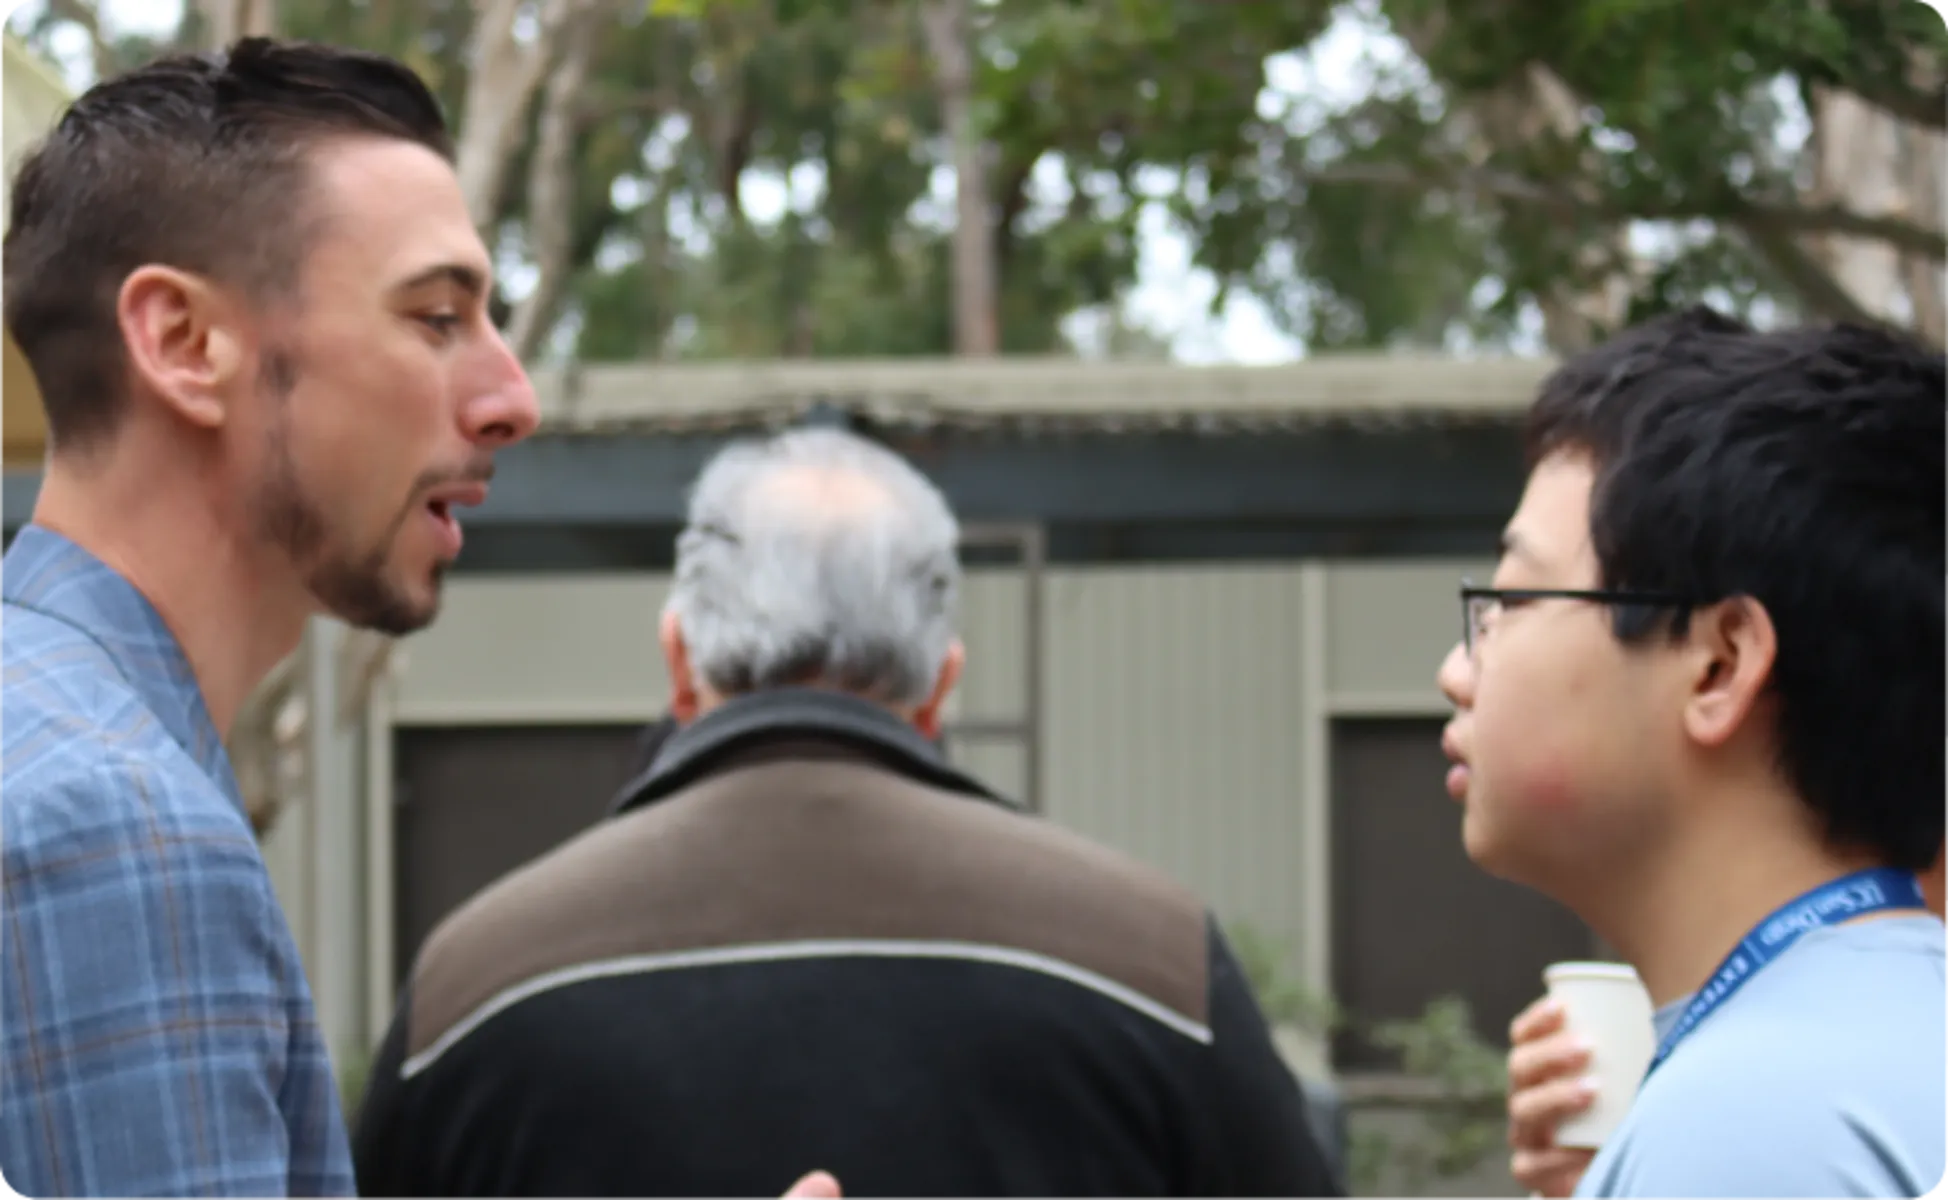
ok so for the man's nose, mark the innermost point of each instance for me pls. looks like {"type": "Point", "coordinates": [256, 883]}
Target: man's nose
{"type": "Point", "coordinates": [502, 409]}
{"type": "Point", "coordinates": [1456, 677]}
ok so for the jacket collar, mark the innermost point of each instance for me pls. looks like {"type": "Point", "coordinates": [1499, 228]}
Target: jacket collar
{"type": "Point", "coordinates": [734, 730]}
{"type": "Point", "coordinates": [47, 573]}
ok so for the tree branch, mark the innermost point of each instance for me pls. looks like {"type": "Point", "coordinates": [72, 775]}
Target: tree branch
{"type": "Point", "coordinates": [1915, 90]}
{"type": "Point", "coordinates": [1898, 232]}
{"type": "Point", "coordinates": [1729, 208]}
{"type": "Point", "coordinates": [594, 110]}
{"type": "Point", "coordinates": [1817, 286]}
{"type": "Point", "coordinates": [949, 45]}
{"type": "Point", "coordinates": [726, 112]}
{"type": "Point", "coordinates": [1014, 201]}
{"type": "Point", "coordinates": [733, 142]}
{"type": "Point", "coordinates": [89, 19]}
{"type": "Point", "coordinates": [551, 187]}
{"type": "Point", "coordinates": [1926, 108]}
{"type": "Point", "coordinates": [500, 86]}
{"type": "Point", "coordinates": [224, 21]}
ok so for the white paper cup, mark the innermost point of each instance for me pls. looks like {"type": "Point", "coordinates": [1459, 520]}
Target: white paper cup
{"type": "Point", "coordinates": [1606, 1005]}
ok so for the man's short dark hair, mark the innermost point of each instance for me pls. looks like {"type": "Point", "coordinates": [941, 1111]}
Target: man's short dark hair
{"type": "Point", "coordinates": [1804, 469]}
{"type": "Point", "coordinates": [193, 161]}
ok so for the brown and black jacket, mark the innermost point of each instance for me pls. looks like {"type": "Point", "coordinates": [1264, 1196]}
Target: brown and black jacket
{"type": "Point", "coordinates": [805, 941]}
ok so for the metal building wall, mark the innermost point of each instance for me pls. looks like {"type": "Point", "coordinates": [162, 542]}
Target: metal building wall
{"type": "Point", "coordinates": [994, 688]}
{"type": "Point", "coordinates": [1173, 724]}
{"type": "Point", "coordinates": [1171, 727]}
{"type": "Point", "coordinates": [1185, 709]}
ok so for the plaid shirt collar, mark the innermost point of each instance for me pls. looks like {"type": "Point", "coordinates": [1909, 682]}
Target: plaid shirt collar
{"type": "Point", "coordinates": [47, 573]}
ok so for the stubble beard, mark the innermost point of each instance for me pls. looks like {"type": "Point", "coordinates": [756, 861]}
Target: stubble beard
{"type": "Point", "coordinates": [356, 588]}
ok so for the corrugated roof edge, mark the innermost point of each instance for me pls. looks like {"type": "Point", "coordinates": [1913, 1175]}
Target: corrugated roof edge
{"type": "Point", "coordinates": [1039, 394]}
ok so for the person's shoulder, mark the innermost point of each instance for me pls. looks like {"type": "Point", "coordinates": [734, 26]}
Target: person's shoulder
{"type": "Point", "coordinates": [1794, 1072]}
{"type": "Point", "coordinates": [122, 874]}
{"type": "Point", "coordinates": [1771, 1133]}
{"type": "Point", "coordinates": [1837, 1016]}
{"type": "Point", "coordinates": [1696, 1136]}
{"type": "Point", "coordinates": [1793, 1092]}
{"type": "Point", "coordinates": [97, 804]}
{"type": "Point", "coordinates": [977, 845]}
{"type": "Point", "coordinates": [67, 712]}
{"type": "Point", "coordinates": [37, 647]}
{"type": "Point", "coordinates": [1036, 848]}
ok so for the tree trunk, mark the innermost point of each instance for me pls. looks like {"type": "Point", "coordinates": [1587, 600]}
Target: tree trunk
{"type": "Point", "coordinates": [1538, 105]}
{"type": "Point", "coordinates": [224, 21]}
{"type": "Point", "coordinates": [551, 186]}
{"type": "Point", "coordinates": [975, 292]}
{"type": "Point", "coordinates": [506, 71]}
{"type": "Point", "coordinates": [87, 16]}
{"type": "Point", "coordinates": [1854, 147]}
{"type": "Point", "coordinates": [1592, 304]}
{"type": "Point", "coordinates": [1924, 167]}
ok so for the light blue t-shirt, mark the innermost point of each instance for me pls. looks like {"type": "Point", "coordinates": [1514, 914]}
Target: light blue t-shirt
{"type": "Point", "coordinates": [1822, 1076]}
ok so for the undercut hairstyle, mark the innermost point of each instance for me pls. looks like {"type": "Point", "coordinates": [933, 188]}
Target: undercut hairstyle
{"type": "Point", "coordinates": [1804, 469]}
{"type": "Point", "coordinates": [198, 162]}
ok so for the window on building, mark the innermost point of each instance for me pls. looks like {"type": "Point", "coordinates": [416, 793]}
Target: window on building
{"type": "Point", "coordinates": [473, 803]}
{"type": "Point", "coordinates": [1412, 918]}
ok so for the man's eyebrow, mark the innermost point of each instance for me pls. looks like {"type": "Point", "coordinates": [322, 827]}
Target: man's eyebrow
{"type": "Point", "coordinates": [460, 275]}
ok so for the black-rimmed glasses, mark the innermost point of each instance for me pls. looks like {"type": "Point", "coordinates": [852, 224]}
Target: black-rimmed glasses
{"type": "Point", "coordinates": [1479, 604]}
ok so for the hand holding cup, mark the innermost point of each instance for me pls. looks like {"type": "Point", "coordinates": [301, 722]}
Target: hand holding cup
{"type": "Point", "coordinates": [1547, 1084]}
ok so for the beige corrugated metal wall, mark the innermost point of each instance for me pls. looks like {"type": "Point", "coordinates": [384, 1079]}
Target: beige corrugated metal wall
{"type": "Point", "coordinates": [995, 686]}
{"type": "Point", "coordinates": [1172, 726]}
{"type": "Point", "coordinates": [1171, 719]}
{"type": "Point", "coordinates": [1185, 710]}
{"type": "Point", "coordinates": [1171, 704]}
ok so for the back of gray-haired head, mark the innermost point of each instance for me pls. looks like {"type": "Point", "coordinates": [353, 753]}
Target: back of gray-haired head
{"type": "Point", "coordinates": [817, 558]}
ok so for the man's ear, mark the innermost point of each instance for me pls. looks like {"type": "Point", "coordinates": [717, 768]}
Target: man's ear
{"type": "Point", "coordinates": [185, 341]}
{"type": "Point", "coordinates": [1734, 647]}
{"type": "Point", "coordinates": [684, 704]}
{"type": "Point", "coordinates": [927, 717]}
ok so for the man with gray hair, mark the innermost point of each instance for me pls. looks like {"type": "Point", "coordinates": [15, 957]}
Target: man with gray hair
{"type": "Point", "coordinates": [805, 940]}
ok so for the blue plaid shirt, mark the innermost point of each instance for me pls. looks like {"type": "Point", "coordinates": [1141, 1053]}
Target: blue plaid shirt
{"type": "Point", "coordinates": [157, 1036]}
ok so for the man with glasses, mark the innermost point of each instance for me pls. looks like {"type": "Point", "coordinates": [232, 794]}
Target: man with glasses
{"type": "Point", "coordinates": [1702, 706]}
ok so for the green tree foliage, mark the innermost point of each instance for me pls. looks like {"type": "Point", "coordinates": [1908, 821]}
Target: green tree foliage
{"type": "Point", "coordinates": [1431, 199]}
{"type": "Point", "coordinates": [1685, 115]}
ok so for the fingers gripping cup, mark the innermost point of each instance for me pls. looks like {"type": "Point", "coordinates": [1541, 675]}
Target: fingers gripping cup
{"type": "Point", "coordinates": [1606, 1005]}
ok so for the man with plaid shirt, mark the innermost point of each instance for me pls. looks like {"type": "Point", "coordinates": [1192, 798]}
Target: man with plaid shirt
{"type": "Point", "coordinates": [252, 420]}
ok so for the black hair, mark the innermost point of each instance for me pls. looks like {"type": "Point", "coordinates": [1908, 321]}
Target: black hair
{"type": "Point", "coordinates": [1804, 469]}
{"type": "Point", "coordinates": [194, 161]}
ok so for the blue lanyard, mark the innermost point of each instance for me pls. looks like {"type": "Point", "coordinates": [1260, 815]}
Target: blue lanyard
{"type": "Point", "coordinates": [1879, 889]}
